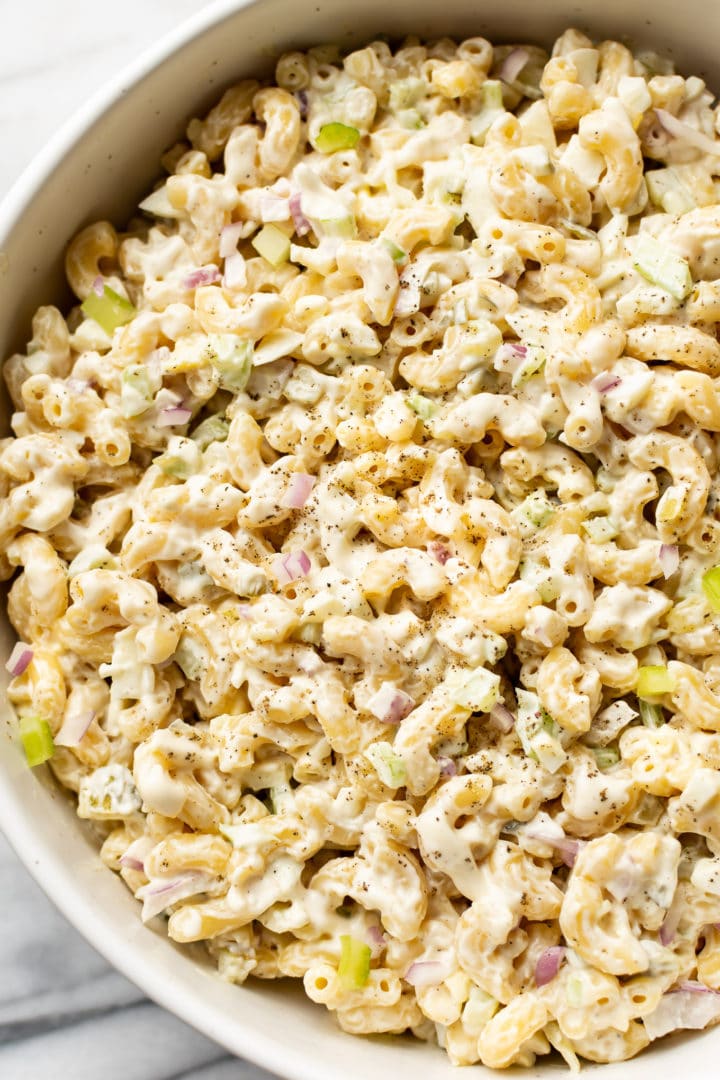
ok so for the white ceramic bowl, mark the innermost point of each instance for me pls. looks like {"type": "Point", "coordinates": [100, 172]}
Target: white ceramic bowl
{"type": "Point", "coordinates": [99, 166]}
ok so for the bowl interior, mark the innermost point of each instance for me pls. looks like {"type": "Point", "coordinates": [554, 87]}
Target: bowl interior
{"type": "Point", "coordinates": [98, 167]}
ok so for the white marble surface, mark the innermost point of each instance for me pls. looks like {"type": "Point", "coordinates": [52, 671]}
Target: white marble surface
{"type": "Point", "coordinates": [64, 1014]}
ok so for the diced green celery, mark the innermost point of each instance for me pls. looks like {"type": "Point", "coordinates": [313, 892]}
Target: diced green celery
{"type": "Point", "coordinates": [406, 92]}
{"type": "Point", "coordinates": [93, 557]}
{"type": "Point", "coordinates": [575, 991]}
{"type": "Point", "coordinates": [535, 160]}
{"type": "Point", "coordinates": [490, 106]}
{"type": "Point", "coordinates": [480, 692]}
{"type": "Point", "coordinates": [189, 658]}
{"type": "Point", "coordinates": [396, 253]}
{"type": "Point", "coordinates": [281, 798]}
{"type": "Point", "coordinates": [662, 267]}
{"type": "Point", "coordinates": [538, 732]}
{"type": "Point", "coordinates": [136, 391]}
{"type": "Point", "coordinates": [654, 679]}
{"type": "Point", "coordinates": [232, 358]}
{"type": "Point", "coordinates": [606, 756]}
{"type": "Point", "coordinates": [343, 227]}
{"type": "Point", "coordinates": [479, 1009]}
{"type": "Point", "coordinates": [600, 529]}
{"type": "Point", "coordinates": [652, 716]}
{"type": "Point", "coordinates": [273, 244]}
{"type": "Point", "coordinates": [424, 407]}
{"type": "Point", "coordinates": [389, 767]}
{"type": "Point", "coordinates": [533, 364]}
{"type": "Point", "coordinates": [711, 588]}
{"type": "Point", "coordinates": [109, 310]}
{"type": "Point", "coordinates": [410, 119]}
{"type": "Point", "coordinates": [36, 739]}
{"type": "Point", "coordinates": [335, 136]}
{"type": "Point", "coordinates": [579, 232]}
{"type": "Point", "coordinates": [214, 429]}
{"type": "Point", "coordinates": [667, 191]}
{"type": "Point", "coordinates": [181, 459]}
{"type": "Point", "coordinates": [535, 510]}
{"type": "Point", "coordinates": [354, 967]}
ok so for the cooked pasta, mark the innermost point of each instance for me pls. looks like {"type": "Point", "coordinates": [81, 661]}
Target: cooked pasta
{"type": "Point", "coordinates": [363, 526]}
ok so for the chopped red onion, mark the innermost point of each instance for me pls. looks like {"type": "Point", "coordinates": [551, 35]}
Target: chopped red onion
{"type": "Point", "coordinates": [427, 973]}
{"type": "Point", "coordinates": [666, 933]}
{"type": "Point", "coordinates": [161, 894]}
{"type": "Point", "coordinates": [390, 705]}
{"type": "Point", "coordinates": [235, 276]}
{"type": "Point", "coordinates": [20, 658]}
{"type": "Point", "coordinates": [548, 964]}
{"type": "Point", "coordinates": [174, 416]}
{"type": "Point", "coordinates": [302, 225]}
{"type": "Point", "coordinates": [605, 381]}
{"type": "Point", "coordinates": [205, 275]}
{"type": "Point", "coordinates": [439, 552]}
{"type": "Point", "coordinates": [680, 1010]}
{"type": "Point", "coordinates": [567, 847]}
{"type": "Point", "coordinates": [503, 717]}
{"type": "Point", "coordinates": [303, 103]}
{"type": "Point", "coordinates": [693, 987]}
{"type": "Point", "coordinates": [134, 856]}
{"type": "Point", "coordinates": [513, 64]}
{"type": "Point", "coordinates": [74, 728]}
{"type": "Point", "coordinates": [230, 237]}
{"type": "Point", "coordinates": [678, 129]}
{"type": "Point", "coordinates": [376, 940]}
{"type": "Point", "coordinates": [298, 491]}
{"type": "Point", "coordinates": [448, 766]}
{"type": "Point", "coordinates": [669, 559]}
{"type": "Point", "coordinates": [98, 286]}
{"type": "Point", "coordinates": [292, 566]}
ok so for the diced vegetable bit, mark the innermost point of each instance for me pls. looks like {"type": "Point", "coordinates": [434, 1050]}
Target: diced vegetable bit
{"type": "Point", "coordinates": [354, 967]}
{"type": "Point", "coordinates": [479, 692]}
{"type": "Point", "coordinates": [651, 715]}
{"type": "Point", "coordinates": [536, 510]}
{"type": "Point", "coordinates": [36, 739]}
{"type": "Point", "coordinates": [136, 391]}
{"type": "Point", "coordinates": [606, 756]}
{"type": "Point", "coordinates": [189, 658]}
{"type": "Point", "coordinates": [662, 267]}
{"type": "Point", "coordinates": [389, 767]}
{"type": "Point", "coordinates": [181, 459]}
{"type": "Point", "coordinates": [424, 407]}
{"type": "Point", "coordinates": [600, 529]}
{"type": "Point", "coordinates": [214, 429]}
{"type": "Point", "coordinates": [653, 680]}
{"type": "Point", "coordinates": [109, 310]}
{"type": "Point", "coordinates": [406, 92]}
{"type": "Point", "coordinates": [397, 254]}
{"type": "Point", "coordinates": [232, 358]}
{"type": "Point", "coordinates": [711, 588]}
{"type": "Point", "coordinates": [333, 137]}
{"type": "Point", "coordinates": [490, 106]}
{"type": "Point", "coordinates": [667, 191]}
{"type": "Point", "coordinates": [532, 365]}
{"type": "Point", "coordinates": [343, 228]}
{"type": "Point", "coordinates": [273, 244]}
{"type": "Point", "coordinates": [538, 732]}
{"type": "Point", "coordinates": [575, 991]}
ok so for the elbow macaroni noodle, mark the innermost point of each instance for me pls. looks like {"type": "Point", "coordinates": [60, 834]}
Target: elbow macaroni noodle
{"type": "Point", "coordinates": [354, 535]}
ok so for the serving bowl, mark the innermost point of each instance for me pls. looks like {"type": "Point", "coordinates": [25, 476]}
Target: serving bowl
{"type": "Point", "coordinates": [98, 166]}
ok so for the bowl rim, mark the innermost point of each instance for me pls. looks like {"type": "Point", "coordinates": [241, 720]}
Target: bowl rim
{"type": "Point", "coordinates": [79, 910]}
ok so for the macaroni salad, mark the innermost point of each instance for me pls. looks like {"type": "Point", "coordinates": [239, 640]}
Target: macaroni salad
{"type": "Point", "coordinates": [363, 519]}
